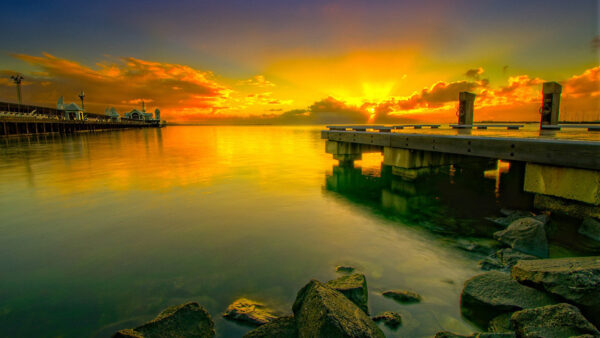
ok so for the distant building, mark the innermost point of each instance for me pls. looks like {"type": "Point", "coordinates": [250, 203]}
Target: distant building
{"type": "Point", "coordinates": [72, 110]}
{"type": "Point", "coordinates": [157, 114]}
{"type": "Point", "coordinates": [114, 115]}
{"type": "Point", "coordinates": [139, 115]}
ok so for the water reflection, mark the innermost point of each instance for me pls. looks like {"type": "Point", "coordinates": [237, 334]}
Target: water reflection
{"type": "Point", "coordinates": [452, 201]}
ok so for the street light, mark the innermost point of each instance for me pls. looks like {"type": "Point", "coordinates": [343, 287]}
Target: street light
{"type": "Point", "coordinates": [17, 80]}
{"type": "Point", "coordinates": [81, 96]}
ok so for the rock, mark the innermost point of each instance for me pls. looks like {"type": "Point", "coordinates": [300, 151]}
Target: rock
{"type": "Point", "coordinates": [509, 257]}
{"type": "Point", "coordinates": [544, 218]}
{"type": "Point", "coordinates": [282, 327]}
{"type": "Point", "coordinates": [501, 323]}
{"type": "Point", "coordinates": [576, 279]}
{"type": "Point", "coordinates": [491, 263]}
{"type": "Point", "coordinates": [526, 235]}
{"type": "Point", "coordinates": [510, 216]}
{"type": "Point", "coordinates": [493, 293]}
{"type": "Point", "coordinates": [344, 268]}
{"type": "Point", "coordinates": [389, 318]}
{"type": "Point", "coordinates": [321, 311]}
{"type": "Point", "coordinates": [590, 228]}
{"type": "Point", "coordinates": [477, 245]}
{"type": "Point", "coordinates": [127, 333]}
{"type": "Point", "coordinates": [185, 320]}
{"type": "Point", "coordinates": [250, 312]}
{"type": "Point", "coordinates": [560, 320]}
{"type": "Point", "coordinates": [446, 334]}
{"type": "Point", "coordinates": [403, 296]}
{"type": "Point", "coordinates": [354, 287]}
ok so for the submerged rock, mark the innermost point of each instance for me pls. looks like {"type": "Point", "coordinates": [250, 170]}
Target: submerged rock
{"type": "Point", "coordinates": [509, 216]}
{"type": "Point", "coordinates": [576, 279]}
{"type": "Point", "coordinates": [344, 268]}
{"type": "Point", "coordinates": [526, 235]}
{"type": "Point", "coordinates": [185, 320]}
{"type": "Point", "coordinates": [446, 334]}
{"type": "Point", "coordinates": [282, 327]}
{"type": "Point", "coordinates": [509, 257]}
{"type": "Point", "coordinates": [250, 312]}
{"type": "Point", "coordinates": [403, 296]}
{"type": "Point", "coordinates": [354, 287]}
{"type": "Point", "coordinates": [560, 320]}
{"type": "Point", "coordinates": [321, 311]}
{"type": "Point", "coordinates": [590, 228]}
{"type": "Point", "coordinates": [493, 293]}
{"type": "Point", "coordinates": [389, 318]}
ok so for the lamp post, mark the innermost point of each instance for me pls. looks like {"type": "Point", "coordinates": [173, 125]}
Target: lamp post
{"type": "Point", "coordinates": [81, 96]}
{"type": "Point", "coordinates": [17, 80]}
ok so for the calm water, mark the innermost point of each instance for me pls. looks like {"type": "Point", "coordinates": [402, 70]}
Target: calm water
{"type": "Point", "coordinates": [102, 231]}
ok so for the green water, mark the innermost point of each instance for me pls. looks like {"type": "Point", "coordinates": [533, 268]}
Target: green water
{"type": "Point", "coordinates": [102, 231]}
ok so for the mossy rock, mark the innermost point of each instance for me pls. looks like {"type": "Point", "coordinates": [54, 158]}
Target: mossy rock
{"type": "Point", "coordinates": [185, 320]}
{"type": "Point", "coordinates": [282, 327]}
{"type": "Point", "coordinates": [250, 312]}
{"type": "Point", "coordinates": [390, 319]}
{"type": "Point", "coordinates": [493, 293]}
{"type": "Point", "coordinates": [560, 320]}
{"type": "Point", "coordinates": [354, 287]}
{"type": "Point", "coordinates": [322, 311]}
{"type": "Point", "coordinates": [403, 296]}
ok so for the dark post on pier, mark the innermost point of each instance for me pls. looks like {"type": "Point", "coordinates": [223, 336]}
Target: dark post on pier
{"type": "Point", "coordinates": [561, 170]}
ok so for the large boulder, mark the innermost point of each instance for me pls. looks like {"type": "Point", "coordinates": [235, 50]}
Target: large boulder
{"type": "Point", "coordinates": [403, 296]}
{"type": "Point", "coordinates": [354, 287]}
{"type": "Point", "coordinates": [282, 327]}
{"type": "Point", "coordinates": [249, 312]}
{"type": "Point", "coordinates": [321, 311]}
{"type": "Point", "coordinates": [575, 279]}
{"type": "Point", "coordinates": [526, 235]}
{"type": "Point", "coordinates": [185, 320]}
{"type": "Point", "coordinates": [590, 228]}
{"type": "Point", "coordinates": [560, 320]}
{"type": "Point", "coordinates": [493, 293]}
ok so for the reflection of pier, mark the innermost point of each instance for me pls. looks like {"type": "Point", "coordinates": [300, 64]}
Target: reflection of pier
{"type": "Point", "coordinates": [564, 174]}
{"type": "Point", "coordinates": [443, 202]}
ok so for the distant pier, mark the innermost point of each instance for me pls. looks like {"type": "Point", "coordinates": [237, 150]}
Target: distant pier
{"type": "Point", "coordinates": [16, 119]}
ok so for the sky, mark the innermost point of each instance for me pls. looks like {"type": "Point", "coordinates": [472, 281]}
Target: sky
{"type": "Point", "coordinates": [301, 62]}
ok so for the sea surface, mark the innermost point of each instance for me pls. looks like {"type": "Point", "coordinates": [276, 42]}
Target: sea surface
{"type": "Point", "coordinates": [101, 231]}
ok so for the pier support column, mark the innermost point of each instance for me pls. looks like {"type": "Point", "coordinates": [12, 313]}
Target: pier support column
{"type": "Point", "coordinates": [346, 153]}
{"type": "Point", "coordinates": [575, 184]}
{"type": "Point", "coordinates": [411, 164]}
{"type": "Point", "coordinates": [571, 191]}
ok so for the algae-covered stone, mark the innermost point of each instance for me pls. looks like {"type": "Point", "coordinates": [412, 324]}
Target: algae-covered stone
{"type": "Point", "coordinates": [526, 235]}
{"type": "Point", "coordinates": [321, 311]}
{"type": "Point", "coordinates": [389, 318]}
{"type": "Point", "coordinates": [446, 334]}
{"type": "Point", "coordinates": [590, 228]}
{"type": "Point", "coordinates": [509, 257]}
{"type": "Point", "coordinates": [344, 269]}
{"type": "Point", "coordinates": [403, 296]}
{"type": "Point", "coordinates": [493, 293]}
{"type": "Point", "coordinates": [282, 327]}
{"type": "Point", "coordinates": [576, 279]}
{"type": "Point", "coordinates": [127, 333]}
{"type": "Point", "coordinates": [354, 287]}
{"type": "Point", "coordinates": [250, 312]}
{"type": "Point", "coordinates": [185, 320]}
{"type": "Point", "coordinates": [560, 320]}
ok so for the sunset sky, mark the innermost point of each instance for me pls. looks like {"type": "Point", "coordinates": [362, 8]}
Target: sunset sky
{"type": "Point", "coordinates": [304, 61]}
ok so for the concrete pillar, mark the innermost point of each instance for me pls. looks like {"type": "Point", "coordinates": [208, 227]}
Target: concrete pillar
{"type": "Point", "coordinates": [550, 104]}
{"type": "Point", "coordinates": [466, 106]}
{"type": "Point", "coordinates": [344, 152]}
{"type": "Point", "coordinates": [411, 164]}
{"type": "Point", "coordinates": [574, 184]}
